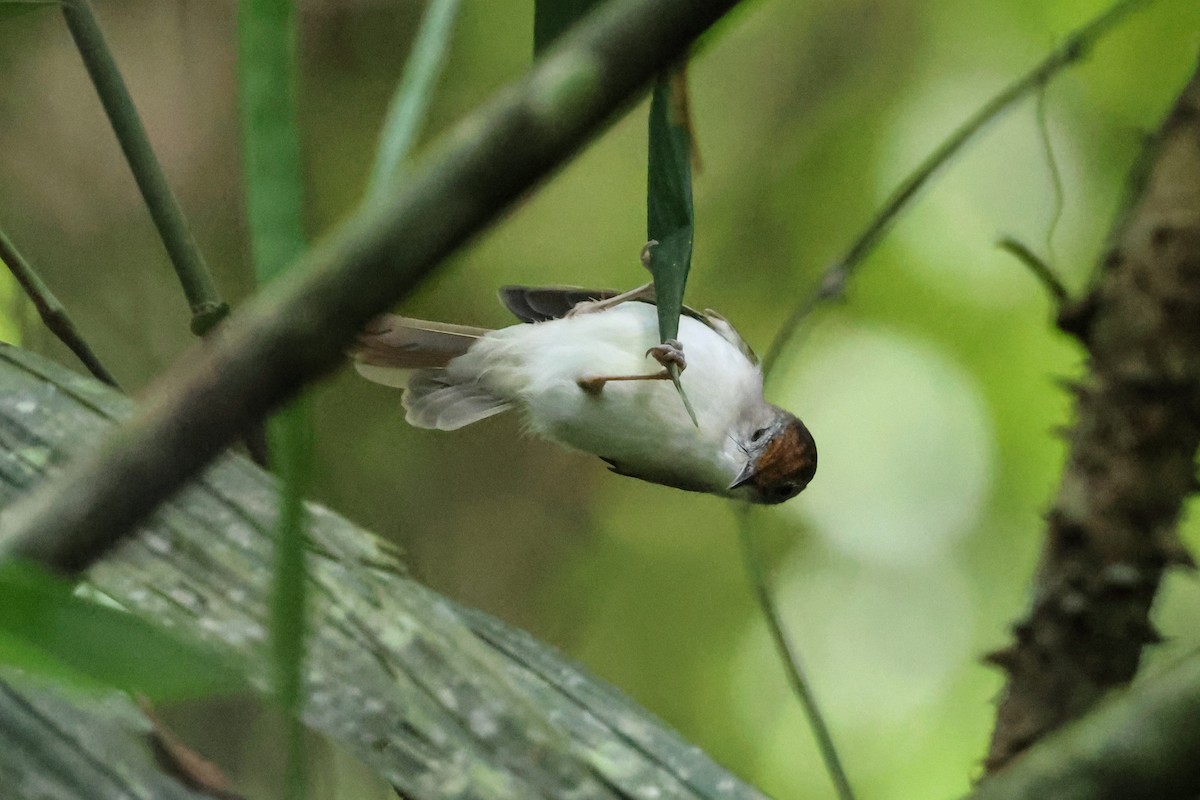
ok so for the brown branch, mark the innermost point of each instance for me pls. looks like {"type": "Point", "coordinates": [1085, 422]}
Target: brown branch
{"type": "Point", "coordinates": [297, 329]}
{"type": "Point", "coordinates": [1113, 527]}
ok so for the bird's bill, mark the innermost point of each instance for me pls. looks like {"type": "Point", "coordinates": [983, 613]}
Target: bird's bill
{"type": "Point", "coordinates": [744, 477]}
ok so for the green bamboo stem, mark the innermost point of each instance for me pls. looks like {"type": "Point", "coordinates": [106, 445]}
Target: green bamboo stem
{"type": "Point", "coordinates": [51, 310]}
{"type": "Point", "coordinates": [198, 286]}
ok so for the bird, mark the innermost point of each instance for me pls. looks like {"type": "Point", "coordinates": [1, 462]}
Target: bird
{"type": "Point", "coordinates": [589, 372]}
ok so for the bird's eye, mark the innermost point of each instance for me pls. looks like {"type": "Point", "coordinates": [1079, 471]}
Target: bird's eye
{"type": "Point", "coordinates": [784, 491]}
{"type": "Point", "coordinates": [758, 434]}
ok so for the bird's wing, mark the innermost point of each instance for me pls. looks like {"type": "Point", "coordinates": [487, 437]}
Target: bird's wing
{"type": "Point", "coordinates": [726, 331]}
{"type": "Point", "coordinates": [543, 303]}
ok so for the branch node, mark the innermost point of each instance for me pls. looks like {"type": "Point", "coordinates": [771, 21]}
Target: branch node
{"type": "Point", "coordinates": [1040, 269]}
{"type": "Point", "coordinates": [206, 315]}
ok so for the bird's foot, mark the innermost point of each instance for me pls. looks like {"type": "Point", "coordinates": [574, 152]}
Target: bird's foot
{"type": "Point", "coordinates": [647, 250]}
{"type": "Point", "coordinates": [669, 353]}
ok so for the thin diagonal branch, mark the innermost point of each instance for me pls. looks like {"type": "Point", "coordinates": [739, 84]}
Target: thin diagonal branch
{"type": "Point", "coordinates": [790, 657]}
{"type": "Point", "coordinates": [198, 286]}
{"type": "Point", "coordinates": [833, 282]}
{"type": "Point", "coordinates": [297, 329]}
{"type": "Point", "coordinates": [51, 310]}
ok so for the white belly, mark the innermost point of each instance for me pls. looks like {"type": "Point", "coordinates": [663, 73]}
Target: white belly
{"type": "Point", "coordinates": [641, 425]}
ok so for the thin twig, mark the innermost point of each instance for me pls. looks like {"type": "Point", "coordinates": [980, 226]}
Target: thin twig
{"type": "Point", "coordinates": [1040, 269]}
{"type": "Point", "coordinates": [51, 310]}
{"type": "Point", "coordinates": [790, 657]}
{"type": "Point", "coordinates": [1056, 181]}
{"type": "Point", "coordinates": [198, 286]}
{"type": "Point", "coordinates": [833, 283]}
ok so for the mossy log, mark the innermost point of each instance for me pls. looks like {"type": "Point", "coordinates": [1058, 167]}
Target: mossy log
{"type": "Point", "coordinates": [440, 701]}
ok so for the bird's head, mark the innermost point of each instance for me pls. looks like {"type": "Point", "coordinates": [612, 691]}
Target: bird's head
{"type": "Point", "coordinates": [781, 458]}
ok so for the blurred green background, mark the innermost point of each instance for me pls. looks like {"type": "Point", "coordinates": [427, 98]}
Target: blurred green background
{"type": "Point", "coordinates": [931, 392]}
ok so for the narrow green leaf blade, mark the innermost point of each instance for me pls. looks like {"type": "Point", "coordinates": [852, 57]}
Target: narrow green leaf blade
{"type": "Point", "coordinates": [275, 202]}
{"type": "Point", "coordinates": [48, 631]}
{"type": "Point", "coordinates": [270, 135]}
{"type": "Point", "coordinates": [669, 212]}
{"type": "Point", "coordinates": [552, 17]}
{"type": "Point", "coordinates": [410, 103]}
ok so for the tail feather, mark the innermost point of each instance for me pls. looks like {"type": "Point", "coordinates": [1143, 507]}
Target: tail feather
{"type": "Point", "coordinates": [411, 354]}
{"type": "Point", "coordinates": [434, 400]}
{"type": "Point", "coordinates": [405, 343]}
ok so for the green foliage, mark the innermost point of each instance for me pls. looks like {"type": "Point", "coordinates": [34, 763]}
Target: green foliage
{"type": "Point", "coordinates": [47, 631]}
{"type": "Point", "coordinates": [271, 140]}
{"type": "Point", "coordinates": [275, 202]}
{"type": "Point", "coordinates": [669, 213]}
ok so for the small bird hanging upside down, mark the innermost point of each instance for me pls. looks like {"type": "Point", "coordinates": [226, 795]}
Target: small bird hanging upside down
{"type": "Point", "coordinates": [590, 373]}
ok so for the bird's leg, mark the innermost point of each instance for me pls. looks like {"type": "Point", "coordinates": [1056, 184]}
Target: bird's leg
{"type": "Point", "coordinates": [645, 293]}
{"type": "Point", "coordinates": [594, 386]}
{"type": "Point", "coordinates": [592, 306]}
{"type": "Point", "coordinates": [668, 353]}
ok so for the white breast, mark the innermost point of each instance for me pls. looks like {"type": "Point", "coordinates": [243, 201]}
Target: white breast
{"type": "Point", "coordinates": [641, 425]}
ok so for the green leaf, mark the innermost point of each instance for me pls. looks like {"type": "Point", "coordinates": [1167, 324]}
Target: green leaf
{"type": "Point", "coordinates": [270, 136]}
{"type": "Point", "coordinates": [410, 103]}
{"type": "Point", "coordinates": [275, 203]}
{"type": "Point", "coordinates": [15, 8]}
{"type": "Point", "coordinates": [552, 17]}
{"type": "Point", "coordinates": [669, 212]}
{"type": "Point", "coordinates": [48, 631]}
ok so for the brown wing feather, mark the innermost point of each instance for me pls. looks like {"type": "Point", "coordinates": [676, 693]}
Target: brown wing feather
{"type": "Point", "coordinates": [544, 303]}
{"type": "Point", "coordinates": [406, 343]}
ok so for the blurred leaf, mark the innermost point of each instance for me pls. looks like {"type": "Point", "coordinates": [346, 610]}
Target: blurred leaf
{"type": "Point", "coordinates": [552, 17]}
{"type": "Point", "coordinates": [270, 138]}
{"type": "Point", "coordinates": [669, 216]}
{"type": "Point", "coordinates": [275, 204]}
{"type": "Point", "coordinates": [410, 103]}
{"type": "Point", "coordinates": [14, 8]}
{"type": "Point", "coordinates": [46, 630]}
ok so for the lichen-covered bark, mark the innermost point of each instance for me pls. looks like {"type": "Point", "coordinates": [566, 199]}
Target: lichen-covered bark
{"type": "Point", "coordinates": [1113, 526]}
{"type": "Point", "coordinates": [442, 702]}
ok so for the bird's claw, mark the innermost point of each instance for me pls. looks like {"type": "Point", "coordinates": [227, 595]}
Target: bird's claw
{"type": "Point", "coordinates": [669, 353]}
{"type": "Point", "coordinates": [647, 252]}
